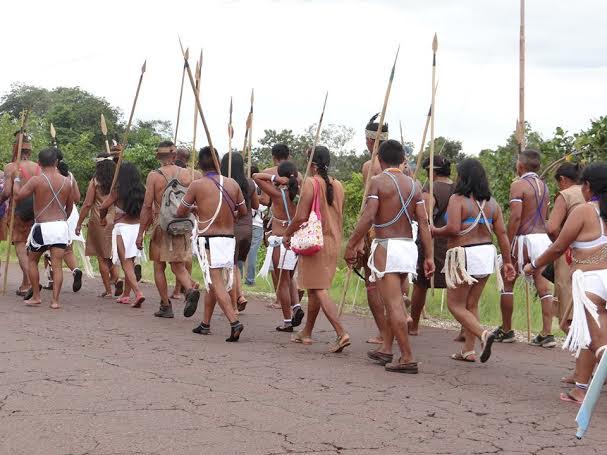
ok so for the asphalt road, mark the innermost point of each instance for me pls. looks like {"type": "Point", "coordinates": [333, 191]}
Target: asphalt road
{"type": "Point", "coordinates": [98, 378]}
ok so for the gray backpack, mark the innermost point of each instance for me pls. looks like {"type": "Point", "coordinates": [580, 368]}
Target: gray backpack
{"type": "Point", "coordinates": [171, 200]}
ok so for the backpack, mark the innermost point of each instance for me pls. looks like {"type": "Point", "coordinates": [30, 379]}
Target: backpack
{"type": "Point", "coordinates": [171, 200]}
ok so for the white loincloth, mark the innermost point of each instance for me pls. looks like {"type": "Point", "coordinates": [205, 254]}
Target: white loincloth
{"type": "Point", "coordinates": [465, 264]}
{"type": "Point", "coordinates": [72, 222]}
{"type": "Point", "coordinates": [53, 233]}
{"type": "Point", "coordinates": [129, 233]}
{"type": "Point", "coordinates": [401, 257]}
{"type": "Point", "coordinates": [219, 255]}
{"type": "Point", "coordinates": [286, 261]}
{"type": "Point", "coordinates": [536, 245]}
{"type": "Point", "coordinates": [594, 282]}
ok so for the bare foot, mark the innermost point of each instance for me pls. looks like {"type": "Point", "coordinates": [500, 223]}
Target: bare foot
{"type": "Point", "coordinates": [413, 332]}
{"type": "Point", "coordinates": [55, 305]}
{"type": "Point", "coordinates": [32, 302]}
{"type": "Point", "coordinates": [177, 296]}
{"type": "Point", "coordinates": [568, 380]}
{"type": "Point", "coordinates": [375, 340]}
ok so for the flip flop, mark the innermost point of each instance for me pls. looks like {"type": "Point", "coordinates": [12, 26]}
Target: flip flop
{"type": "Point", "coordinates": [567, 397]}
{"type": "Point", "coordinates": [568, 380]}
{"type": "Point", "coordinates": [124, 300]}
{"type": "Point", "coordinates": [139, 299]}
{"type": "Point", "coordinates": [487, 339]}
{"type": "Point", "coordinates": [22, 293]}
{"type": "Point", "coordinates": [406, 368]}
{"type": "Point", "coordinates": [374, 340]}
{"type": "Point", "coordinates": [30, 293]}
{"type": "Point", "coordinates": [469, 356]}
{"type": "Point", "coordinates": [77, 285]}
{"type": "Point", "coordinates": [273, 306]}
{"type": "Point", "coordinates": [341, 342]}
{"type": "Point", "coordinates": [106, 295]}
{"type": "Point", "coordinates": [300, 338]}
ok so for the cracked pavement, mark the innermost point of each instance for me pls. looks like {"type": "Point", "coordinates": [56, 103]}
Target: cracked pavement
{"type": "Point", "coordinates": [101, 378]}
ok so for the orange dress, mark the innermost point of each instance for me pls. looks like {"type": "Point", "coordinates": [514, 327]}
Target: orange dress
{"type": "Point", "coordinates": [317, 271]}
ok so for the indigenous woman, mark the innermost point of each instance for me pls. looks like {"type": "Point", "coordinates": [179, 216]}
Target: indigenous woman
{"type": "Point", "coordinates": [316, 272]}
{"type": "Point", "coordinates": [473, 216]}
{"type": "Point", "coordinates": [243, 230]}
{"type": "Point", "coordinates": [127, 200]}
{"type": "Point", "coordinates": [282, 190]}
{"type": "Point", "coordinates": [99, 237]}
{"type": "Point", "coordinates": [443, 189]}
{"type": "Point", "coordinates": [585, 233]}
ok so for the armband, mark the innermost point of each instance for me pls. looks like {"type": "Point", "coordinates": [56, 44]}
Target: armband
{"type": "Point", "coordinates": [516, 200]}
{"type": "Point", "coordinates": [533, 266]}
{"type": "Point", "coordinates": [240, 203]}
{"type": "Point", "coordinates": [185, 204]}
{"type": "Point", "coordinates": [273, 178]}
{"type": "Point", "coordinates": [420, 202]}
{"type": "Point", "coordinates": [373, 196]}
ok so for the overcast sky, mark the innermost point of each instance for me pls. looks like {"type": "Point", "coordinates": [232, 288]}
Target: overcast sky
{"type": "Point", "coordinates": [292, 51]}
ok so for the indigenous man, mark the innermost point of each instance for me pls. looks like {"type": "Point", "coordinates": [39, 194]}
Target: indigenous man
{"type": "Point", "coordinates": [371, 169]}
{"type": "Point", "coordinates": [165, 247]}
{"type": "Point", "coordinates": [53, 203]}
{"type": "Point", "coordinates": [24, 218]}
{"type": "Point", "coordinates": [218, 201]}
{"type": "Point", "coordinates": [393, 203]}
{"type": "Point", "coordinates": [182, 159]}
{"type": "Point", "coordinates": [529, 199]}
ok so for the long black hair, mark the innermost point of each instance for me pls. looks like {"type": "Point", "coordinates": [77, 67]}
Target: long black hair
{"type": "Point", "coordinates": [104, 172]}
{"type": "Point", "coordinates": [569, 170]}
{"type": "Point", "coordinates": [238, 173]}
{"type": "Point", "coordinates": [472, 180]}
{"type": "Point", "coordinates": [289, 170]}
{"type": "Point", "coordinates": [596, 176]}
{"type": "Point", "coordinates": [322, 159]}
{"type": "Point", "coordinates": [130, 190]}
{"type": "Point", "coordinates": [442, 166]}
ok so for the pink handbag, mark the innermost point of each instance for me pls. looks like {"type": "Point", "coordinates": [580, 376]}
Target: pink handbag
{"type": "Point", "coordinates": [308, 239]}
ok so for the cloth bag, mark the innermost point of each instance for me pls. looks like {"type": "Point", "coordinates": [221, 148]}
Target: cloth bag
{"type": "Point", "coordinates": [308, 239]}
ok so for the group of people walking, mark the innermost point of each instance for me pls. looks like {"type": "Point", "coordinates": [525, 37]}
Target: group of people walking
{"type": "Point", "coordinates": [455, 238]}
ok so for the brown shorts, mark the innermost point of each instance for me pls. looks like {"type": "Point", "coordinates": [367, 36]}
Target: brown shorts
{"type": "Point", "coordinates": [170, 248]}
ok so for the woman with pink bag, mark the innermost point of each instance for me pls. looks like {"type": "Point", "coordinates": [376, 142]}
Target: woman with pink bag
{"type": "Point", "coordinates": [322, 199]}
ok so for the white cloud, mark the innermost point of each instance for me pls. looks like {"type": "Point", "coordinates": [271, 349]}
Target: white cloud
{"type": "Point", "coordinates": [293, 51]}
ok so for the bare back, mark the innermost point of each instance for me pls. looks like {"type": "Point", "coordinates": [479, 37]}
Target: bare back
{"type": "Point", "coordinates": [52, 193]}
{"type": "Point", "coordinates": [474, 229]}
{"type": "Point", "coordinates": [216, 208]}
{"type": "Point", "coordinates": [533, 195]}
{"type": "Point", "coordinates": [398, 196]}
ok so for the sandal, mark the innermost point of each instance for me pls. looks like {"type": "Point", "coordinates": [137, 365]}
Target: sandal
{"type": "Point", "coordinates": [487, 339]}
{"type": "Point", "coordinates": [380, 357]}
{"type": "Point", "coordinates": [106, 295]}
{"type": "Point", "coordinates": [30, 293]}
{"type": "Point", "coordinates": [284, 328]}
{"type": "Point", "coordinates": [125, 300]}
{"type": "Point", "coordinates": [192, 296]}
{"type": "Point", "coordinates": [235, 330]}
{"type": "Point", "coordinates": [273, 306]}
{"type": "Point", "coordinates": [298, 316]}
{"type": "Point", "coordinates": [341, 342]}
{"type": "Point", "coordinates": [375, 340]}
{"type": "Point", "coordinates": [407, 368]}
{"type": "Point", "coordinates": [469, 356]}
{"type": "Point", "coordinates": [138, 272]}
{"type": "Point", "coordinates": [22, 292]}
{"type": "Point", "coordinates": [241, 303]}
{"type": "Point", "coordinates": [300, 338]}
{"type": "Point", "coordinates": [139, 299]}
{"type": "Point", "coordinates": [570, 398]}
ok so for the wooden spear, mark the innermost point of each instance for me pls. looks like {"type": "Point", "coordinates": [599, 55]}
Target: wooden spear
{"type": "Point", "coordinates": [521, 84]}
{"type": "Point", "coordinates": [251, 131]}
{"type": "Point", "coordinates": [197, 94]}
{"type": "Point", "coordinates": [420, 154]}
{"type": "Point", "coordinates": [125, 138]}
{"type": "Point", "coordinates": [53, 135]}
{"type": "Point", "coordinates": [104, 133]}
{"type": "Point", "coordinates": [199, 108]}
{"type": "Point", "coordinates": [402, 138]}
{"type": "Point", "coordinates": [431, 168]}
{"type": "Point", "coordinates": [230, 136]}
{"type": "Point", "coordinates": [11, 219]}
{"type": "Point", "coordinates": [187, 53]}
{"type": "Point", "coordinates": [380, 125]}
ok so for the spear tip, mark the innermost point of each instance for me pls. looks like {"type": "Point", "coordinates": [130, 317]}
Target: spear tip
{"type": "Point", "coordinates": [187, 53]}
{"type": "Point", "coordinates": [53, 132]}
{"type": "Point", "coordinates": [145, 62]}
{"type": "Point", "coordinates": [252, 95]}
{"type": "Point", "coordinates": [103, 125]}
{"type": "Point", "coordinates": [435, 43]}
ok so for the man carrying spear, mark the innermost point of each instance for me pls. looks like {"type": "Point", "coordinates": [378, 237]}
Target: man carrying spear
{"type": "Point", "coordinates": [529, 199]}
{"type": "Point", "coordinates": [393, 203]}
{"type": "Point", "coordinates": [23, 215]}
{"type": "Point", "coordinates": [176, 249]}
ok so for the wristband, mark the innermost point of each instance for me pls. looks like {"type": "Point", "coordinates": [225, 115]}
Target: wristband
{"type": "Point", "coordinates": [17, 180]}
{"type": "Point", "coordinates": [273, 178]}
{"type": "Point", "coordinates": [533, 266]}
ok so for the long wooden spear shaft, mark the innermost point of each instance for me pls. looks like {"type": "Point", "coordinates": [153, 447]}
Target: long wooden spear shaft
{"type": "Point", "coordinates": [420, 154]}
{"type": "Point", "coordinates": [11, 219]}
{"type": "Point", "coordinates": [431, 168]}
{"type": "Point", "coordinates": [53, 136]}
{"type": "Point", "coordinates": [251, 132]}
{"type": "Point", "coordinates": [196, 93]}
{"type": "Point", "coordinates": [125, 138]}
{"type": "Point", "coordinates": [521, 83]}
{"type": "Point", "coordinates": [380, 126]}
{"type": "Point", "coordinates": [187, 53]}
{"type": "Point", "coordinates": [103, 126]}
{"type": "Point", "coordinates": [230, 136]}
{"type": "Point", "coordinates": [199, 107]}
{"type": "Point", "coordinates": [402, 138]}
